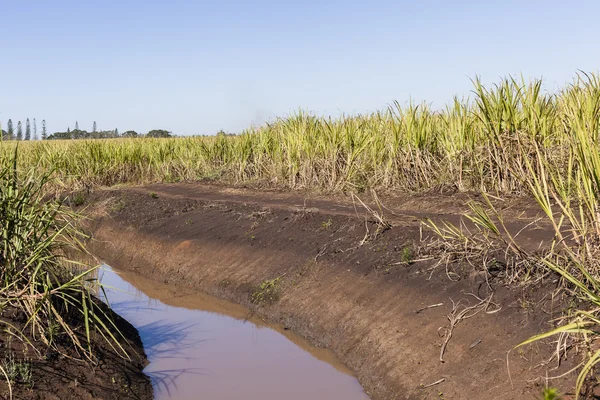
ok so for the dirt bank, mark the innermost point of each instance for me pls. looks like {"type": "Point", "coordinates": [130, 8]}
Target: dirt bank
{"type": "Point", "coordinates": [64, 375]}
{"type": "Point", "coordinates": [316, 266]}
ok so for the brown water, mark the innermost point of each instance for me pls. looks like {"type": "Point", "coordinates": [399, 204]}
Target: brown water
{"type": "Point", "coordinates": [200, 347]}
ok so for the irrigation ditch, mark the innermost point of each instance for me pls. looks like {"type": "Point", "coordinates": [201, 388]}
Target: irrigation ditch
{"type": "Point", "coordinates": [390, 301]}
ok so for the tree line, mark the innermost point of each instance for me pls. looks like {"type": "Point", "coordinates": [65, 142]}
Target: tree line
{"type": "Point", "coordinates": [31, 132]}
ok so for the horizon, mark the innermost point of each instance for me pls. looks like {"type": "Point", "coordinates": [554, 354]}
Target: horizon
{"type": "Point", "coordinates": [198, 68]}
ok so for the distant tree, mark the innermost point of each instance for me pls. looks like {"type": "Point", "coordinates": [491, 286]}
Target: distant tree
{"type": "Point", "coordinates": [82, 134]}
{"type": "Point", "coordinates": [10, 129]}
{"type": "Point", "coordinates": [130, 134]}
{"type": "Point", "coordinates": [19, 131]}
{"type": "Point", "coordinates": [44, 132]}
{"type": "Point", "coordinates": [94, 128]}
{"type": "Point", "coordinates": [223, 133]}
{"type": "Point", "coordinates": [60, 135]}
{"type": "Point", "coordinates": [78, 133]}
{"type": "Point", "coordinates": [27, 130]}
{"type": "Point", "coordinates": [35, 136]}
{"type": "Point", "coordinates": [158, 133]}
{"type": "Point", "coordinates": [116, 132]}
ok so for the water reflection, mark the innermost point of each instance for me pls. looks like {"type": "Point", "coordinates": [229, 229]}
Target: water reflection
{"type": "Point", "coordinates": [202, 347]}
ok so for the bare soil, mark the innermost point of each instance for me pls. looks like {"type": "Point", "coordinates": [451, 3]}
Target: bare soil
{"type": "Point", "coordinates": [315, 265]}
{"type": "Point", "coordinates": [64, 374]}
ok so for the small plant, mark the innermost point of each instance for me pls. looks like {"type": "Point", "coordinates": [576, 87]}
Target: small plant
{"type": "Point", "coordinates": [406, 255]}
{"type": "Point", "coordinates": [52, 331]}
{"type": "Point", "coordinates": [17, 371]}
{"type": "Point", "coordinates": [224, 283]}
{"type": "Point", "coordinates": [189, 222]}
{"type": "Point", "coordinates": [326, 224]}
{"type": "Point", "coordinates": [78, 199]}
{"type": "Point", "coordinates": [551, 394]}
{"type": "Point", "coordinates": [118, 206]}
{"type": "Point", "coordinates": [267, 292]}
{"type": "Point", "coordinates": [154, 195]}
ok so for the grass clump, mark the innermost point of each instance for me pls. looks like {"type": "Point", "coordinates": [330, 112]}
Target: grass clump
{"type": "Point", "coordinates": [406, 255]}
{"type": "Point", "coordinates": [35, 235]}
{"type": "Point", "coordinates": [267, 292]}
{"type": "Point", "coordinates": [77, 199]}
{"type": "Point", "coordinates": [17, 371]}
{"type": "Point", "coordinates": [551, 394]}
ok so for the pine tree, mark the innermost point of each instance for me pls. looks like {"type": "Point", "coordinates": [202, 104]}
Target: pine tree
{"type": "Point", "coordinates": [76, 125]}
{"type": "Point", "coordinates": [44, 134]}
{"type": "Point", "coordinates": [35, 137]}
{"type": "Point", "coordinates": [19, 131]}
{"type": "Point", "coordinates": [68, 133]}
{"type": "Point", "coordinates": [11, 130]}
{"type": "Point", "coordinates": [94, 127]}
{"type": "Point", "coordinates": [116, 132]}
{"type": "Point", "coordinates": [27, 130]}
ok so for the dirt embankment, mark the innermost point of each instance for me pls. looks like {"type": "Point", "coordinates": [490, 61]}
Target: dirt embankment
{"type": "Point", "coordinates": [318, 267]}
{"type": "Point", "coordinates": [64, 375]}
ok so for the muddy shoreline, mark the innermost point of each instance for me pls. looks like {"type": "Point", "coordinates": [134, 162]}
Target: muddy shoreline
{"type": "Point", "coordinates": [316, 267]}
{"type": "Point", "coordinates": [65, 375]}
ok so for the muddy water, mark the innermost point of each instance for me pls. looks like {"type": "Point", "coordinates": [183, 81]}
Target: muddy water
{"type": "Point", "coordinates": [200, 347]}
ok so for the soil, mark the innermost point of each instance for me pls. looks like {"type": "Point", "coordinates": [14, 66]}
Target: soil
{"type": "Point", "coordinates": [322, 267]}
{"type": "Point", "coordinates": [64, 374]}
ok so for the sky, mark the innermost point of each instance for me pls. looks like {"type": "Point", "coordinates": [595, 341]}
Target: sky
{"type": "Point", "coordinates": [195, 67]}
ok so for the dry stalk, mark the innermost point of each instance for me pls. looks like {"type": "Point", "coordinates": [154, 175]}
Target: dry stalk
{"type": "Point", "coordinates": [433, 383]}
{"type": "Point", "coordinates": [457, 315]}
{"type": "Point", "coordinates": [428, 307]}
{"type": "Point", "coordinates": [377, 216]}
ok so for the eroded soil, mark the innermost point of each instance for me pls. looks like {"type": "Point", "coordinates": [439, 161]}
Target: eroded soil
{"type": "Point", "coordinates": [323, 268]}
{"type": "Point", "coordinates": [64, 374]}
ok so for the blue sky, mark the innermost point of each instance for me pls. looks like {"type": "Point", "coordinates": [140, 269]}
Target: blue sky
{"type": "Point", "coordinates": [194, 67]}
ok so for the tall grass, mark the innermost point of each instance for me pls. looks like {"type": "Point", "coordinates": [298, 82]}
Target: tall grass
{"type": "Point", "coordinates": [548, 148]}
{"type": "Point", "coordinates": [471, 144]}
{"type": "Point", "coordinates": [35, 233]}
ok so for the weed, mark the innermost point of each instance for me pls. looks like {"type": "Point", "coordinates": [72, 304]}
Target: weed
{"type": "Point", "coordinates": [267, 292]}
{"type": "Point", "coordinates": [551, 394]}
{"type": "Point", "coordinates": [406, 255]}
{"type": "Point", "coordinates": [154, 195]}
{"type": "Point", "coordinates": [224, 283]}
{"type": "Point", "coordinates": [18, 371]}
{"type": "Point", "coordinates": [326, 224]}
{"type": "Point", "coordinates": [118, 206]}
{"type": "Point", "coordinates": [78, 199]}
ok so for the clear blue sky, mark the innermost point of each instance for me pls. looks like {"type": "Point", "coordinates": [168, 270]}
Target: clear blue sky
{"type": "Point", "coordinates": [200, 66]}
